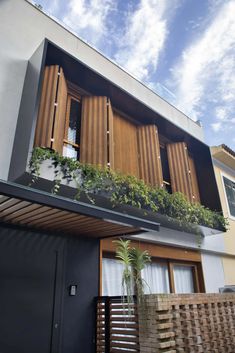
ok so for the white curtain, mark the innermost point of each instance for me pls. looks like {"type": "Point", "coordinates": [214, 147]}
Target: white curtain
{"type": "Point", "coordinates": [183, 278]}
{"type": "Point", "coordinates": [156, 277]}
{"type": "Point", "coordinates": [111, 277]}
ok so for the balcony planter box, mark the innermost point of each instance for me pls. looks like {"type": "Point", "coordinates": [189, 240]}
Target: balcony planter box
{"type": "Point", "coordinates": [168, 222]}
{"type": "Point", "coordinates": [101, 198]}
{"type": "Point", "coordinates": [46, 180]}
{"type": "Point", "coordinates": [47, 171]}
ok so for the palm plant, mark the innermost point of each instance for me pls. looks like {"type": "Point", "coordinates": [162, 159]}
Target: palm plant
{"type": "Point", "coordinates": [134, 261]}
{"type": "Point", "coordinates": [139, 259]}
{"type": "Point", "coordinates": [123, 254]}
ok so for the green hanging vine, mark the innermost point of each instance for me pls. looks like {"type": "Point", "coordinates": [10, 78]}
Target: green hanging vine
{"type": "Point", "coordinates": [123, 189]}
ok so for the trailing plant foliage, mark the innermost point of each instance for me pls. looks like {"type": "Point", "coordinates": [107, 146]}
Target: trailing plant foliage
{"type": "Point", "coordinates": [123, 189]}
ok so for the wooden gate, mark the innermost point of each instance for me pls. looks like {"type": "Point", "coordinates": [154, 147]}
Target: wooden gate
{"type": "Point", "coordinates": [117, 329]}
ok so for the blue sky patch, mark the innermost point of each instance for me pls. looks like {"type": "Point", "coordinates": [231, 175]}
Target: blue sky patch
{"type": "Point", "coordinates": [182, 49]}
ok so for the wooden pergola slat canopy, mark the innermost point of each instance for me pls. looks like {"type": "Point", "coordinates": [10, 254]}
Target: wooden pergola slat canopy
{"type": "Point", "coordinates": [35, 209]}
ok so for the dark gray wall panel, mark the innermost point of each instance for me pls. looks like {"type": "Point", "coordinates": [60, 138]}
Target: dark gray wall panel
{"type": "Point", "coordinates": [37, 314]}
{"type": "Point", "coordinates": [28, 267]}
{"type": "Point", "coordinates": [23, 142]}
{"type": "Point", "coordinates": [79, 314]}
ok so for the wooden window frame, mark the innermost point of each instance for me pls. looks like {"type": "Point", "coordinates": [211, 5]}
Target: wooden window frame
{"type": "Point", "coordinates": [193, 265]}
{"type": "Point", "coordinates": [162, 144]}
{"type": "Point", "coordinates": [72, 95]}
{"type": "Point", "coordinates": [198, 281]}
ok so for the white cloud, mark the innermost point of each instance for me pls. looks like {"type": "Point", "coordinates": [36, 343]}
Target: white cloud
{"type": "Point", "coordinates": [204, 77]}
{"type": "Point", "coordinates": [88, 18]}
{"type": "Point", "coordinates": [216, 126]}
{"type": "Point", "coordinates": [221, 113]}
{"type": "Point", "coordinates": [144, 37]}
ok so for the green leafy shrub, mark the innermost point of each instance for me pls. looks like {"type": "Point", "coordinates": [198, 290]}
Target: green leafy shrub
{"type": "Point", "coordinates": [124, 189]}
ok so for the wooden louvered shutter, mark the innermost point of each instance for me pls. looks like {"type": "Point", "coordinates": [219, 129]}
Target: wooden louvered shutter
{"type": "Point", "coordinates": [46, 108]}
{"type": "Point", "coordinates": [60, 114]}
{"type": "Point", "coordinates": [110, 136]}
{"type": "Point", "coordinates": [193, 174]}
{"type": "Point", "coordinates": [52, 110]}
{"type": "Point", "coordinates": [96, 146]}
{"type": "Point", "coordinates": [150, 167]}
{"type": "Point", "coordinates": [178, 160]}
{"type": "Point", "coordinates": [125, 146]}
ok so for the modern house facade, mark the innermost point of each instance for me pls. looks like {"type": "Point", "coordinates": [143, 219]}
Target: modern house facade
{"type": "Point", "coordinates": [57, 254]}
{"type": "Point", "coordinates": [224, 166]}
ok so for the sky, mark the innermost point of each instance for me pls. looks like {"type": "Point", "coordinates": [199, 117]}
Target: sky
{"type": "Point", "coordinates": [184, 50]}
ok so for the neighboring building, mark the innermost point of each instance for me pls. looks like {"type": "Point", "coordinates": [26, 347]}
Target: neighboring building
{"type": "Point", "coordinates": [50, 246]}
{"type": "Point", "coordinates": [224, 166]}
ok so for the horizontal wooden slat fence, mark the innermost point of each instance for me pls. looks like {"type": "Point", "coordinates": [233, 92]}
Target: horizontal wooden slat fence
{"type": "Point", "coordinates": [116, 326]}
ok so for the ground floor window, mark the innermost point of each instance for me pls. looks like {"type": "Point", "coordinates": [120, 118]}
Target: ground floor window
{"type": "Point", "coordinates": [161, 276]}
{"type": "Point", "coordinates": [156, 278]}
{"type": "Point", "coordinates": [183, 279]}
{"type": "Point", "coordinates": [111, 277]}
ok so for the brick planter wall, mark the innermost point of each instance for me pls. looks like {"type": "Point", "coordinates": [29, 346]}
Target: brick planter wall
{"type": "Point", "coordinates": [187, 323]}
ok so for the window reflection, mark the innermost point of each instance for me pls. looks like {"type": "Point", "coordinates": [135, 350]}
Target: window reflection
{"type": "Point", "coordinates": [230, 193]}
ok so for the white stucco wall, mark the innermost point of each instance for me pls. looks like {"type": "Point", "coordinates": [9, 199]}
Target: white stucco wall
{"type": "Point", "coordinates": [22, 30]}
{"type": "Point", "coordinates": [213, 272]}
{"type": "Point", "coordinates": [224, 170]}
{"type": "Point", "coordinates": [213, 243]}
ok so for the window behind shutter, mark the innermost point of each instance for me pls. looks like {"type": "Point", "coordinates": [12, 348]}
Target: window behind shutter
{"type": "Point", "coordinates": [52, 110]}
{"type": "Point", "coordinates": [96, 145]}
{"type": "Point", "coordinates": [179, 169]}
{"type": "Point", "coordinates": [149, 155]}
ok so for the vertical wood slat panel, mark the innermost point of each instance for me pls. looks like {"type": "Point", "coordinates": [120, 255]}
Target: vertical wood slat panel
{"type": "Point", "coordinates": [179, 169]}
{"type": "Point", "coordinates": [60, 114]}
{"type": "Point", "coordinates": [149, 155]}
{"type": "Point", "coordinates": [193, 174]}
{"type": "Point", "coordinates": [110, 135]}
{"type": "Point", "coordinates": [125, 146]}
{"type": "Point", "coordinates": [94, 126]}
{"type": "Point", "coordinates": [44, 125]}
